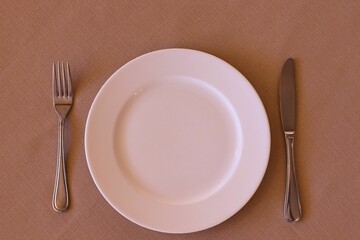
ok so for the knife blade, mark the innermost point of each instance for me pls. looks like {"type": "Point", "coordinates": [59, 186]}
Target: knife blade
{"type": "Point", "coordinates": [287, 95]}
{"type": "Point", "coordinates": [292, 206]}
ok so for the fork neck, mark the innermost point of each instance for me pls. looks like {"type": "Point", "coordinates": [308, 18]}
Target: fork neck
{"type": "Point", "coordinates": [61, 121]}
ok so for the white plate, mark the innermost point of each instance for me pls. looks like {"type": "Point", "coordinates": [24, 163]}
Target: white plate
{"type": "Point", "coordinates": [177, 140]}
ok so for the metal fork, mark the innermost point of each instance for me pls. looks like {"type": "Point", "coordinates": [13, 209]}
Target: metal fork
{"type": "Point", "coordinates": [62, 99]}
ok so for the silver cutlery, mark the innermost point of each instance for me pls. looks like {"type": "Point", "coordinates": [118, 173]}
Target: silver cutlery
{"type": "Point", "coordinates": [292, 207]}
{"type": "Point", "coordinates": [62, 100]}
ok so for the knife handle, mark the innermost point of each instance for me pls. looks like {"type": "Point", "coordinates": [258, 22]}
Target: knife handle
{"type": "Point", "coordinates": [292, 207]}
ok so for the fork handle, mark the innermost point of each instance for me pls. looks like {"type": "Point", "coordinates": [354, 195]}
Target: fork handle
{"type": "Point", "coordinates": [292, 207]}
{"type": "Point", "coordinates": [60, 201]}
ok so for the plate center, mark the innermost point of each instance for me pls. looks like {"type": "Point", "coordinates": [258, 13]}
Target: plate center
{"type": "Point", "coordinates": [178, 140]}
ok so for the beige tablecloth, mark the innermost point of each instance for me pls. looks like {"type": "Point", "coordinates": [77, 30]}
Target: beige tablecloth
{"type": "Point", "coordinates": [98, 37]}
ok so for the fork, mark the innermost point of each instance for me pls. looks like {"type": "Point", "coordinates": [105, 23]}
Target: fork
{"type": "Point", "coordinates": [62, 100]}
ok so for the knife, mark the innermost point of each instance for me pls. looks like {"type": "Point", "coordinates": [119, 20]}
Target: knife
{"type": "Point", "coordinates": [292, 207]}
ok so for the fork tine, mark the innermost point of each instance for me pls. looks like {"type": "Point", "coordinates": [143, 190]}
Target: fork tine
{"type": "Point", "coordinates": [64, 90]}
{"type": "Point", "coordinates": [58, 79]}
{"type": "Point", "coordinates": [68, 78]}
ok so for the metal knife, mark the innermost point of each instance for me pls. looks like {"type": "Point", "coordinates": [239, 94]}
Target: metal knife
{"type": "Point", "coordinates": [292, 207]}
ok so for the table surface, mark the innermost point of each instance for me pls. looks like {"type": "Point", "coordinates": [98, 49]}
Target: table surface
{"type": "Point", "coordinates": [98, 37]}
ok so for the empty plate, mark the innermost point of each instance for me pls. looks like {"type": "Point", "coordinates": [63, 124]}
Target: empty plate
{"type": "Point", "coordinates": [177, 140]}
